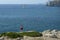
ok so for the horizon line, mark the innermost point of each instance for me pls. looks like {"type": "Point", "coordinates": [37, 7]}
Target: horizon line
{"type": "Point", "coordinates": [26, 4]}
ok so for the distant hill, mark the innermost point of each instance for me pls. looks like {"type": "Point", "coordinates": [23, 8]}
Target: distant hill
{"type": "Point", "coordinates": [54, 3]}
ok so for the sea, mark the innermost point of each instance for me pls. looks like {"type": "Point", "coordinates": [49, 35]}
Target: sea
{"type": "Point", "coordinates": [33, 17]}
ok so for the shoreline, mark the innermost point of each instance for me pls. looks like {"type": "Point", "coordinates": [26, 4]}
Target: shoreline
{"type": "Point", "coordinates": [32, 35]}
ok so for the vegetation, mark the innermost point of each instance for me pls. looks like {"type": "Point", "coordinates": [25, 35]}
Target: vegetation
{"type": "Point", "coordinates": [2, 34]}
{"type": "Point", "coordinates": [15, 34]}
{"type": "Point", "coordinates": [32, 34]}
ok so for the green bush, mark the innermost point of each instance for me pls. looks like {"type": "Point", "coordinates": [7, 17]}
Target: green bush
{"type": "Point", "coordinates": [2, 34]}
{"type": "Point", "coordinates": [12, 34]}
{"type": "Point", "coordinates": [15, 34]}
{"type": "Point", "coordinates": [32, 34]}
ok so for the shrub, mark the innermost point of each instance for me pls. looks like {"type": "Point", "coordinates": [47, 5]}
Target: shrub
{"type": "Point", "coordinates": [32, 34]}
{"type": "Point", "coordinates": [15, 34]}
{"type": "Point", "coordinates": [2, 34]}
{"type": "Point", "coordinates": [12, 35]}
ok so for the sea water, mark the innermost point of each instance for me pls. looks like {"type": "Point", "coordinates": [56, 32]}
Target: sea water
{"type": "Point", "coordinates": [32, 17]}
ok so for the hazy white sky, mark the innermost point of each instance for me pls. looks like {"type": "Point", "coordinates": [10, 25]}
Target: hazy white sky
{"type": "Point", "coordinates": [22, 1]}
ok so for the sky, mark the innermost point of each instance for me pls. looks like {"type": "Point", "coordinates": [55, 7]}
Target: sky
{"type": "Point", "coordinates": [23, 1]}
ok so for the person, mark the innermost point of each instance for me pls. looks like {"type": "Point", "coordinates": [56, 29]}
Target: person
{"type": "Point", "coordinates": [21, 27]}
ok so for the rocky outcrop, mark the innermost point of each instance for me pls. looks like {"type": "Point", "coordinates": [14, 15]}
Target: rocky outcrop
{"type": "Point", "coordinates": [51, 34]}
{"type": "Point", "coordinates": [32, 38]}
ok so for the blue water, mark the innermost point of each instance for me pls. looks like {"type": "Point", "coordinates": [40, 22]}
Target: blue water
{"type": "Point", "coordinates": [32, 17]}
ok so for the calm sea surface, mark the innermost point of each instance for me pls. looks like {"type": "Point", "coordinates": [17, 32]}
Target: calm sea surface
{"type": "Point", "coordinates": [32, 17]}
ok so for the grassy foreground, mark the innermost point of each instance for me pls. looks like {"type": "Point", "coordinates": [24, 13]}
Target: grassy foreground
{"type": "Point", "coordinates": [18, 34]}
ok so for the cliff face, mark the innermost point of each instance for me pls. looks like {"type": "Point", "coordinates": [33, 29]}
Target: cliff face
{"type": "Point", "coordinates": [54, 3]}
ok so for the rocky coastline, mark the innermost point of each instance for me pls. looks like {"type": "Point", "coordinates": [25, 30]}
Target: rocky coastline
{"type": "Point", "coordinates": [31, 35]}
